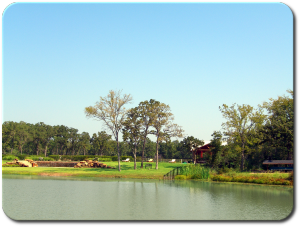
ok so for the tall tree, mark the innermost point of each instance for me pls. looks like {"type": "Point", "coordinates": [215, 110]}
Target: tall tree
{"type": "Point", "coordinates": [84, 142]}
{"type": "Point", "coordinates": [111, 111]}
{"type": "Point", "coordinates": [9, 132]}
{"type": "Point", "coordinates": [100, 142]}
{"type": "Point", "coordinates": [279, 128]}
{"type": "Point", "coordinates": [39, 133]}
{"type": "Point", "coordinates": [216, 144]}
{"type": "Point", "coordinates": [62, 137]}
{"type": "Point", "coordinates": [73, 139]}
{"type": "Point", "coordinates": [163, 126]}
{"type": "Point", "coordinates": [145, 110]}
{"type": "Point", "coordinates": [132, 130]}
{"type": "Point", "coordinates": [22, 135]}
{"type": "Point", "coordinates": [242, 122]}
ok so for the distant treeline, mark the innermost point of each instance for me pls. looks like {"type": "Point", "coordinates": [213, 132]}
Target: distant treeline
{"type": "Point", "coordinates": [252, 136]}
{"type": "Point", "coordinates": [42, 139]}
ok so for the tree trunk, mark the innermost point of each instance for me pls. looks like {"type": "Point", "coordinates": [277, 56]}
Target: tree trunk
{"type": "Point", "coordinates": [142, 163]}
{"type": "Point", "coordinates": [194, 156]}
{"type": "Point", "coordinates": [243, 158]}
{"type": "Point", "coordinates": [118, 154]}
{"type": "Point", "coordinates": [46, 150]}
{"type": "Point", "coordinates": [134, 155]}
{"type": "Point", "coordinates": [156, 153]}
{"type": "Point", "coordinates": [37, 149]}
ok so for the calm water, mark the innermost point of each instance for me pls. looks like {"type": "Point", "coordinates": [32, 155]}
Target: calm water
{"type": "Point", "coordinates": [50, 198]}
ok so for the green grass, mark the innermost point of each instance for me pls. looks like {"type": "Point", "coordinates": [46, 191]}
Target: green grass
{"type": "Point", "coordinates": [276, 178]}
{"type": "Point", "coordinates": [127, 171]}
{"type": "Point", "coordinates": [194, 172]}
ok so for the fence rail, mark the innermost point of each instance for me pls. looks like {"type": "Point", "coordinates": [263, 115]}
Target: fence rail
{"type": "Point", "coordinates": [171, 175]}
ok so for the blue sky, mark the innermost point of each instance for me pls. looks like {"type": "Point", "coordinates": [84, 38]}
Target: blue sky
{"type": "Point", "coordinates": [60, 58]}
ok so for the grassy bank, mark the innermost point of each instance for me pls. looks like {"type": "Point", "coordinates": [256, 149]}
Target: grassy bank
{"type": "Point", "coordinates": [256, 178]}
{"type": "Point", "coordinates": [127, 171]}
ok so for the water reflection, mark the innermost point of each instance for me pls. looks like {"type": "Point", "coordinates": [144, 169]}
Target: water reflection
{"type": "Point", "coordinates": [56, 198]}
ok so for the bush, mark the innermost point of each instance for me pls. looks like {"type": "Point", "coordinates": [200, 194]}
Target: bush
{"type": "Point", "coordinates": [48, 159]}
{"type": "Point", "coordinates": [22, 156]}
{"type": "Point", "coordinates": [12, 165]}
{"type": "Point", "coordinates": [9, 157]}
{"type": "Point", "coordinates": [180, 177]}
{"type": "Point", "coordinates": [195, 172]}
{"type": "Point", "coordinates": [55, 157]}
{"type": "Point", "coordinates": [104, 159]}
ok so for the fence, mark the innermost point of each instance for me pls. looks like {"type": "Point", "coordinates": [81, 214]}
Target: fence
{"type": "Point", "coordinates": [171, 175]}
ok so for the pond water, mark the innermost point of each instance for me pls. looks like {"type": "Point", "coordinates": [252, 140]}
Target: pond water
{"type": "Point", "coordinates": [61, 198]}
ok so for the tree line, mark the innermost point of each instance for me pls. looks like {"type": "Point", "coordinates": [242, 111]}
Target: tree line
{"type": "Point", "coordinates": [42, 139]}
{"type": "Point", "coordinates": [252, 134]}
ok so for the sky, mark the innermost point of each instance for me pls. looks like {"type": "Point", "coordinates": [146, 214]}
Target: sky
{"type": "Point", "coordinates": [58, 58]}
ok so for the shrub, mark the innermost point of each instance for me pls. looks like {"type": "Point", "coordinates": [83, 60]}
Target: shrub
{"type": "Point", "coordinates": [180, 177]}
{"type": "Point", "coordinates": [48, 159]}
{"type": "Point", "coordinates": [104, 159]}
{"type": "Point", "coordinates": [195, 172]}
{"type": "Point", "coordinates": [9, 157]}
{"type": "Point", "coordinates": [12, 165]}
{"type": "Point", "coordinates": [55, 157]}
{"type": "Point", "coordinates": [22, 156]}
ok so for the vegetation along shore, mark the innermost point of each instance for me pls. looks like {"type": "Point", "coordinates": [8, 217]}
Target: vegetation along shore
{"type": "Point", "coordinates": [195, 173]}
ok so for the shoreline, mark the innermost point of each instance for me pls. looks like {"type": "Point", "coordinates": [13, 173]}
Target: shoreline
{"type": "Point", "coordinates": [119, 175]}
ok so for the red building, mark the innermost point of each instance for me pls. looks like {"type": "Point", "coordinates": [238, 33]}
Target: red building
{"type": "Point", "coordinates": [198, 153]}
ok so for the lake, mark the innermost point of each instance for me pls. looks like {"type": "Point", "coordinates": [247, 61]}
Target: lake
{"type": "Point", "coordinates": [65, 198]}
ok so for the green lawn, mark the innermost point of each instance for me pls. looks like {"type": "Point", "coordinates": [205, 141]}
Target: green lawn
{"type": "Point", "coordinates": [127, 171]}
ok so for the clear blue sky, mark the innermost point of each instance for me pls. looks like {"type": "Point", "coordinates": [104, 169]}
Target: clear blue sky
{"type": "Point", "coordinates": [60, 58]}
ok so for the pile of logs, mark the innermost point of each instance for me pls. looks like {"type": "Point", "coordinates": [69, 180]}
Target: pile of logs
{"type": "Point", "coordinates": [92, 164]}
{"type": "Point", "coordinates": [26, 163]}
{"type": "Point", "coordinates": [34, 164]}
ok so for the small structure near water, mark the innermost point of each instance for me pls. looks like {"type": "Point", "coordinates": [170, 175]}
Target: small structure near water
{"type": "Point", "coordinates": [280, 165]}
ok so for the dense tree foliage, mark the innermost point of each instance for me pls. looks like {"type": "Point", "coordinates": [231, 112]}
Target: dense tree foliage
{"type": "Point", "coordinates": [252, 135]}
{"type": "Point", "coordinates": [32, 139]}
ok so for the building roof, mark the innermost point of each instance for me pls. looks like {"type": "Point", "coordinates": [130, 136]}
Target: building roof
{"type": "Point", "coordinates": [278, 162]}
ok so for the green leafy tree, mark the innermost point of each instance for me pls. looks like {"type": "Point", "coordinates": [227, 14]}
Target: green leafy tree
{"type": "Point", "coordinates": [190, 143]}
{"type": "Point", "coordinates": [73, 139]}
{"type": "Point", "coordinates": [242, 121]}
{"type": "Point", "coordinates": [84, 142]}
{"type": "Point", "coordinates": [145, 110]}
{"type": "Point", "coordinates": [47, 136]}
{"type": "Point", "coordinates": [100, 142]}
{"type": "Point", "coordinates": [111, 111]}
{"type": "Point", "coordinates": [164, 129]}
{"type": "Point", "coordinates": [216, 143]}
{"type": "Point", "coordinates": [62, 138]}
{"type": "Point", "coordinates": [132, 130]}
{"type": "Point", "coordinates": [279, 128]}
{"type": "Point", "coordinates": [23, 135]}
{"type": "Point", "coordinates": [9, 135]}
